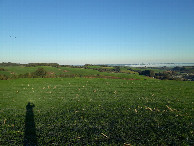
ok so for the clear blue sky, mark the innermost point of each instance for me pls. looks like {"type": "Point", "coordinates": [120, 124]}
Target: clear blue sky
{"type": "Point", "coordinates": [96, 31]}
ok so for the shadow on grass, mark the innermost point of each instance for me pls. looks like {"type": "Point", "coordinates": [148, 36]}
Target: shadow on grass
{"type": "Point", "coordinates": [30, 129]}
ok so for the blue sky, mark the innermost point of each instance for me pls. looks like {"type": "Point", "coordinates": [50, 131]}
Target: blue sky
{"type": "Point", "coordinates": [97, 31]}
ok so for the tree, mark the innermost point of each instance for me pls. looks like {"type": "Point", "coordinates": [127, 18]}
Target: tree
{"type": "Point", "coordinates": [40, 72]}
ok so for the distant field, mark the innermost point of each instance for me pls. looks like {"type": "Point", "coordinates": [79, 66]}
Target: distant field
{"type": "Point", "coordinates": [83, 111]}
{"type": "Point", "coordinates": [71, 71]}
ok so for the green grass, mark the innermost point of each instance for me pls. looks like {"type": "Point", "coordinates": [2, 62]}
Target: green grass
{"type": "Point", "coordinates": [82, 111]}
{"type": "Point", "coordinates": [17, 70]}
{"type": "Point", "coordinates": [125, 70]}
{"type": "Point", "coordinates": [95, 66]}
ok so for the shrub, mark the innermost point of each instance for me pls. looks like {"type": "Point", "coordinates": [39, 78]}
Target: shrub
{"type": "Point", "coordinates": [2, 69]}
{"type": "Point", "coordinates": [117, 69]}
{"type": "Point", "coordinates": [3, 77]}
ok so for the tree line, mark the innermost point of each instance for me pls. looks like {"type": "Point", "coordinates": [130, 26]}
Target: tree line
{"type": "Point", "coordinates": [29, 64]}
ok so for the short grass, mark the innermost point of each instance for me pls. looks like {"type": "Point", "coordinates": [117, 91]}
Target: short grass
{"type": "Point", "coordinates": [83, 111]}
{"type": "Point", "coordinates": [17, 70]}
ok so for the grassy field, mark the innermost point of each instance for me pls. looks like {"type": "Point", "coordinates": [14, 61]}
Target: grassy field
{"type": "Point", "coordinates": [96, 111]}
{"type": "Point", "coordinates": [16, 70]}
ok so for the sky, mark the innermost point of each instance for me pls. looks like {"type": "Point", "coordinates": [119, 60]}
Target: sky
{"type": "Point", "coordinates": [97, 31]}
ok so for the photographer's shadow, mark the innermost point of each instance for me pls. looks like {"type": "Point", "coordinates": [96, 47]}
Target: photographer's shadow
{"type": "Point", "coordinates": [30, 138]}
